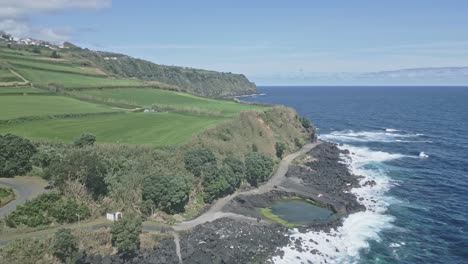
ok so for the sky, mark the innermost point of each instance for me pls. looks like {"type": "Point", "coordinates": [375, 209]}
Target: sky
{"type": "Point", "coordinates": [269, 41]}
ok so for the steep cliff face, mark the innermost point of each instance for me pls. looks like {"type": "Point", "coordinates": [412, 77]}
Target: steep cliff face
{"type": "Point", "coordinates": [196, 81]}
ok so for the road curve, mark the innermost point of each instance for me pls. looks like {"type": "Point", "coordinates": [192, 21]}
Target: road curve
{"type": "Point", "coordinates": [215, 210]}
{"type": "Point", "coordinates": [25, 188]}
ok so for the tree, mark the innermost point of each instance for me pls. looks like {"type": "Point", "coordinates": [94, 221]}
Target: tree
{"type": "Point", "coordinates": [169, 193]}
{"type": "Point", "coordinates": [85, 139]}
{"type": "Point", "coordinates": [36, 50]}
{"type": "Point", "coordinates": [219, 182]}
{"type": "Point", "coordinates": [55, 55]}
{"type": "Point", "coordinates": [126, 234]}
{"type": "Point", "coordinates": [84, 165]}
{"type": "Point", "coordinates": [196, 159]}
{"type": "Point", "coordinates": [64, 245]}
{"type": "Point", "coordinates": [258, 167]}
{"type": "Point", "coordinates": [280, 148]}
{"type": "Point", "coordinates": [237, 165]}
{"type": "Point", "coordinates": [15, 155]}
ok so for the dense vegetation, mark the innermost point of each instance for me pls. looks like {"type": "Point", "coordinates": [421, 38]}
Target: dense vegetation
{"type": "Point", "coordinates": [64, 245]}
{"type": "Point", "coordinates": [46, 209]}
{"type": "Point", "coordinates": [126, 234]}
{"type": "Point", "coordinates": [6, 195]}
{"type": "Point", "coordinates": [15, 155]}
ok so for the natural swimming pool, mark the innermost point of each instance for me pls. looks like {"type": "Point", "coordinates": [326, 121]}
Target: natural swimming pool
{"type": "Point", "coordinates": [300, 212]}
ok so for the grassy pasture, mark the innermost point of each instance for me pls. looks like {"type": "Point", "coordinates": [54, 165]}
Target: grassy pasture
{"type": "Point", "coordinates": [20, 89]}
{"type": "Point", "coordinates": [71, 80]}
{"type": "Point", "coordinates": [7, 76]}
{"type": "Point", "coordinates": [157, 129]}
{"type": "Point", "coordinates": [48, 65]}
{"type": "Point", "coordinates": [17, 106]}
{"type": "Point", "coordinates": [147, 97]}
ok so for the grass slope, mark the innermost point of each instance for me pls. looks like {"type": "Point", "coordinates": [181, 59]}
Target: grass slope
{"type": "Point", "coordinates": [17, 106]}
{"type": "Point", "coordinates": [71, 80]}
{"type": "Point", "coordinates": [7, 76]}
{"type": "Point", "coordinates": [148, 97]}
{"type": "Point", "coordinates": [158, 129]}
{"type": "Point", "coordinates": [20, 89]}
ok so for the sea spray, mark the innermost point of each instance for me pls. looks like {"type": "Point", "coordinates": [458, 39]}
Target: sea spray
{"type": "Point", "coordinates": [343, 244]}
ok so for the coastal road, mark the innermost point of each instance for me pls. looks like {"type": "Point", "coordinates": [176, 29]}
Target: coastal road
{"type": "Point", "coordinates": [25, 188]}
{"type": "Point", "coordinates": [215, 210]}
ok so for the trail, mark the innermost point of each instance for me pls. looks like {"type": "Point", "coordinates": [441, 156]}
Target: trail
{"type": "Point", "coordinates": [177, 246]}
{"type": "Point", "coordinates": [25, 188]}
{"type": "Point", "coordinates": [24, 82]}
{"type": "Point", "coordinates": [215, 211]}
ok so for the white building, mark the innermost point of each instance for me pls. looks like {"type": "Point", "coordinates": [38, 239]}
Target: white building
{"type": "Point", "coordinates": [115, 216]}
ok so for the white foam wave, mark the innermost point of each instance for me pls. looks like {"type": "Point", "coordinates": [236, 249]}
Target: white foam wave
{"type": "Point", "coordinates": [367, 136]}
{"type": "Point", "coordinates": [423, 155]}
{"type": "Point", "coordinates": [391, 130]}
{"type": "Point", "coordinates": [342, 245]}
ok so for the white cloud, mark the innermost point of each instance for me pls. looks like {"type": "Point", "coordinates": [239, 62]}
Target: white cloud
{"type": "Point", "coordinates": [14, 13]}
{"type": "Point", "coordinates": [16, 8]}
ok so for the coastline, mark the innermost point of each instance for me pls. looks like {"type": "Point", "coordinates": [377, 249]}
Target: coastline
{"type": "Point", "coordinates": [323, 178]}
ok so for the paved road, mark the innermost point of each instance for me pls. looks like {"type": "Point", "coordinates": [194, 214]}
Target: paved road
{"type": "Point", "coordinates": [215, 211]}
{"type": "Point", "coordinates": [25, 188]}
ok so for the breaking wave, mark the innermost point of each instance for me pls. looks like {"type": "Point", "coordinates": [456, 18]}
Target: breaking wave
{"type": "Point", "coordinates": [389, 135]}
{"type": "Point", "coordinates": [342, 245]}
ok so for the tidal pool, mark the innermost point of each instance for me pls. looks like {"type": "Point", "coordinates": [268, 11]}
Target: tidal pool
{"type": "Point", "coordinates": [300, 212]}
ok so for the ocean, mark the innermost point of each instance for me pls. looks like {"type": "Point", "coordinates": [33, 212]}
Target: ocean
{"type": "Point", "coordinates": [413, 141]}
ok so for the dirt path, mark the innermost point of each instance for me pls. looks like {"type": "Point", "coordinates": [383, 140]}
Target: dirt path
{"type": "Point", "coordinates": [25, 188]}
{"type": "Point", "coordinates": [24, 82]}
{"type": "Point", "coordinates": [215, 211]}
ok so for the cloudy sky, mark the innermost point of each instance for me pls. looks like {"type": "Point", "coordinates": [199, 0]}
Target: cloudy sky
{"type": "Point", "coordinates": [265, 39]}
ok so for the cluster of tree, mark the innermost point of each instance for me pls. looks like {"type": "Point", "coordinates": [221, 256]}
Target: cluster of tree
{"type": "Point", "coordinates": [224, 179]}
{"type": "Point", "coordinates": [64, 245]}
{"type": "Point", "coordinates": [258, 167]}
{"type": "Point", "coordinates": [169, 193]}
{"type": "Point", "coordinates": [15, 155]}
{"type": "Point", "coordinates": [55, 55]}
{"type": "Point", "coordinates": [46, 209]}
{"type": "Point", "coordinates": [126, 234]}
{"type": "Point", "coordinates": [77, 164]}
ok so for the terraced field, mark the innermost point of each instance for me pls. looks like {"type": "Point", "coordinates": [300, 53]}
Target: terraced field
{"type": "Point", "coordinates": [20, 89]}
{"type": "Point", "coordinates": [87, 104]}
{"type": "Point", "coordinates": [13, 106]}
{"type": "Point", "coordinates": [158, 129]}
{"type": "Point", "coordinates": [148, 97]}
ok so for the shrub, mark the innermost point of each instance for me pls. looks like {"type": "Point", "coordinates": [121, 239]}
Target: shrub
{"type": "Point", "coordinates": [280, 147]}
{"type": "Point", "coordinates": [64, 245]}
{"type": "Point", "coordinates": [15, 155]}
{"type": "Point", "coordinates": [258, 167]}
{"type": "Point", "coordinates": [85, 139]}
{"type": "Point", "coordinates": [236, 165]}
{"type": "Point", "coordinates": [168, 193]}
{"type": "Point", "coordinates": [55, 55]}
{"type": "Point", "coordinates": [126, 234]}
{"type": "Point", "coordinates": [219, 182]}
{"type": "Point", "coordinates": [84, 165]}
{"type": "Point", "coordinates": [305, 122]}
{"type": "Point", "coordinates": [45, 209]}
{"type": "Point", "coordinates": [196, 159]}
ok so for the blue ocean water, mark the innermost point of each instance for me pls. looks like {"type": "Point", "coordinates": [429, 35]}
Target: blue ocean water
{"type": "Point", "coordinates": [414, 142]}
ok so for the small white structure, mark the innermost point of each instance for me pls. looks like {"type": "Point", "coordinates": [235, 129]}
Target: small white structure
{"type": "Point", "coordinates": [115, 216]}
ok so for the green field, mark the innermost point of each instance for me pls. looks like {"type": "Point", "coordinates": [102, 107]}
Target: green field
{"type": "Point", "coordinates": [157, 129]}
{"type": "Point", "coordinates": [22, 106]}
{"type": "Point", "coordinates": [47, 65]}
{"type": "Point", "coordinates": [7, 76]}
{"type": "Point", "coordinates": [70, 80]}
{"type": "Point", "coordinates": [20, 89]}
{"type": "Point", "coordinates": [147, 97]}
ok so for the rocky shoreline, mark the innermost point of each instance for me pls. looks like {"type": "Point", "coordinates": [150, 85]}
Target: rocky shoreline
{"type": "Point", "coordinates": [321, 177]}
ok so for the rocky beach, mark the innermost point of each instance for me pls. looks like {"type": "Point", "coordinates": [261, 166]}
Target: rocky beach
{"type": "Point", "coordinates": [320, 175]}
